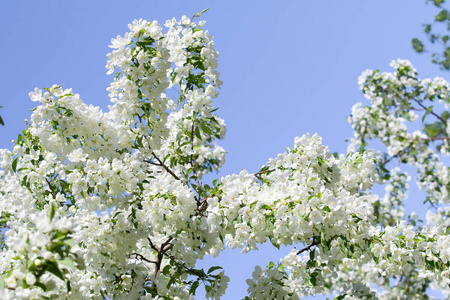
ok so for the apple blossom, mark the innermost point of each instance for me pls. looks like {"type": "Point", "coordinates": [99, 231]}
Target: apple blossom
{"type": "Point", "coordinates": [111, 204]}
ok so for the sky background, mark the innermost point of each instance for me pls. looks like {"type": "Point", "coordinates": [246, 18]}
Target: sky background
{"type": "Point", "coordinates": [288, 67]}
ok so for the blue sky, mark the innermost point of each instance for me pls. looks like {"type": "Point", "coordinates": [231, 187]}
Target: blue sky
{"type": "Point", "coordinates": [288, 67]}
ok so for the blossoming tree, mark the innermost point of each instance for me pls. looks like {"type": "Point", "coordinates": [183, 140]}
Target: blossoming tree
{"type": "Point", "coordinates": [111, 204]}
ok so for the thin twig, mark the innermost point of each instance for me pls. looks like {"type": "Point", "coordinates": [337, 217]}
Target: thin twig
{"type": "Point", "coordinates": [193, 271]}
{"type": "Point", "coordinates": [432, 112]}
{"type": "Point", "coordinates": [261, 172]}
{"type": "Point", "coordinates": [161, 164]}
{"type": "Point", "coordinates": [142, 257]}
{"type": "Point", "coordinates": [152, 163]}
{"type": "Point", "coordinates": [438, 138]}
{"type": "Point", "coordinates": [51, 188]}
{"type": "Point", "coordinates": [412, 142]}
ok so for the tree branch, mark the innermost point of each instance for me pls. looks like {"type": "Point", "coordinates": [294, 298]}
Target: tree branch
{"type": "Point", "coordinates": [140, 256]}
{"type": "Point", "coordinates": [161, 251]}
{"type": "Point", "coordinates": [431, 112]}
{"type": "Point", "coordinates": [161, 164]}
{"type": "Point", "coordinates": [189, 270]}
{"type": "Point", "coordinates": [314, 243]}
{"type": "Point", "coordinates": [411, 143]}
{"type": "Point", "coordinates": [51, 188]}
{"type": "Point", "coordinates": [261, 172]}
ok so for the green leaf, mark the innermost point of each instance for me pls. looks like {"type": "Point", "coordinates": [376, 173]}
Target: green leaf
{"type": "Point", "coordinates": [447, 52]}
{"type": "Point", "coordinates": [432, 130]}
{"type": "Point", "coordinates": [417, 45]}
{"type": "Point", "coordinates": [322, 239]}
{"type": "Point", "coordinates": [197, 133]}
{"type": "Point", "coordinates": [212, 269]}
{"type": "Point", "coordinates": [52, 211]}
{"type": "Point", "coordinates": [441, 16]}
{"type": "Point", "coordinates": [205, 128]}
{"type": "Point", "coordinates": [447, 231]}
{"type": "Point", "coordinates": [428, 111]}
{"type": "Point", "coordinates": [166, 269]}
{"type": "Point", "coordinates": [67, 261]}
{"type": "Point", "coordinates": [53, 268]}
{"type": "Point", "coordinates": [313, 278]}
{"type": "Point", "coordinates": [29, 263]}
{"type": "Point", "coordinates": [41, 285]}
{"type": "Point", "coordinates": [438, 2]}
{"type": "Point", "coordinates": [194, 287]}
{"type": "Point", "coordinates": [14, 164]}
{"type": "Point", "coordinates": [1, 121]}
{"type": "Point", "coordinates": [69, 241]}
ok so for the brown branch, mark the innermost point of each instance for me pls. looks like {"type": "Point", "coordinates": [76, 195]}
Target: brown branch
{"type": "Point", "coordinates": [163, 249]}
{"type": "Point", "coordinates": [51, 188]}
{"type": "Point", "coordinates": [151, 244]}
{"type": "Point", "coordinates": [201, 205]}
{"type": "Point", "coordinates": [191, 270]}
{"type": "Point", "coordinates": [411, 143]}
{"type": "Point", "coordinates": [261, 172]}
{"type": "Point", "coordinates": [432, 112]}
{"type": "Point", "coordinates": [161, 164]}
{"type": "Point", "coordinates": [438, 138]}
{"type": "Point", "coordinates": [140, 256]}
{"type": "Point", "coordinates": [314, 243]}
{"type": "Point", "coordinates": [166, 245]}
{"type": "Point", "coordinates": [152, 163]}
{"type": "Point", "coordinates": [400, 152]}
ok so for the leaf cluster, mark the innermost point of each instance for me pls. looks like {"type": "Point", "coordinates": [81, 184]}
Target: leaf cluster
{"type": "Point", "coordinates": [436, 36]}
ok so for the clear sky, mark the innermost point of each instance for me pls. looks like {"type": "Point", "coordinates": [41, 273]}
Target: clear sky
{"type": "Point", "coordinates": [288, 67]}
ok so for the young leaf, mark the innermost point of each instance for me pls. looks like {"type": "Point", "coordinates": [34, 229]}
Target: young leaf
{"type": "Point", "coordinates": [14, 164]}
{"type": "Point", "coordinates": [194, 287]}
{"type": "Point", "coordinates": [197, 133]}
{"type": "Point", "coordinates": [52, 211]}
{"type": "Point", "coordinates": [417, 45]}
{"type": "Point", "coordinates": [205, 128]}
{"type": "Point", "coordinates": [53, 268]}
{"type": "Point", "coordinates": [212, 269]}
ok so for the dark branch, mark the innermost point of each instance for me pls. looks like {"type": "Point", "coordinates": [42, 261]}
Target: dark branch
{"type": "Point", "coordinates": [140, 256]}
{"type": "Point", "coordinates": [51, 188]}
{"type": "Point", "coordinates": [314, 243]}
{"type": "Point", "coordinates": [411, 143]}
{"type": "Point", "coordinates": [431, 112]}
{"type": "Point", "coordinates": [163, 249]}
{"type": "Point", "coordinates": [161, 164]}
{"type": "Point", "coordinates": [261, 172]}
{"type": "Point", "coordinates": [152, 163]}
{"type": "Point", "coordinates": [189, 270]}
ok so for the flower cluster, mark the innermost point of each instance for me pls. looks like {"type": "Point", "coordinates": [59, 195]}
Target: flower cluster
{"type": "Point", "coordinates": [100, 204]}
